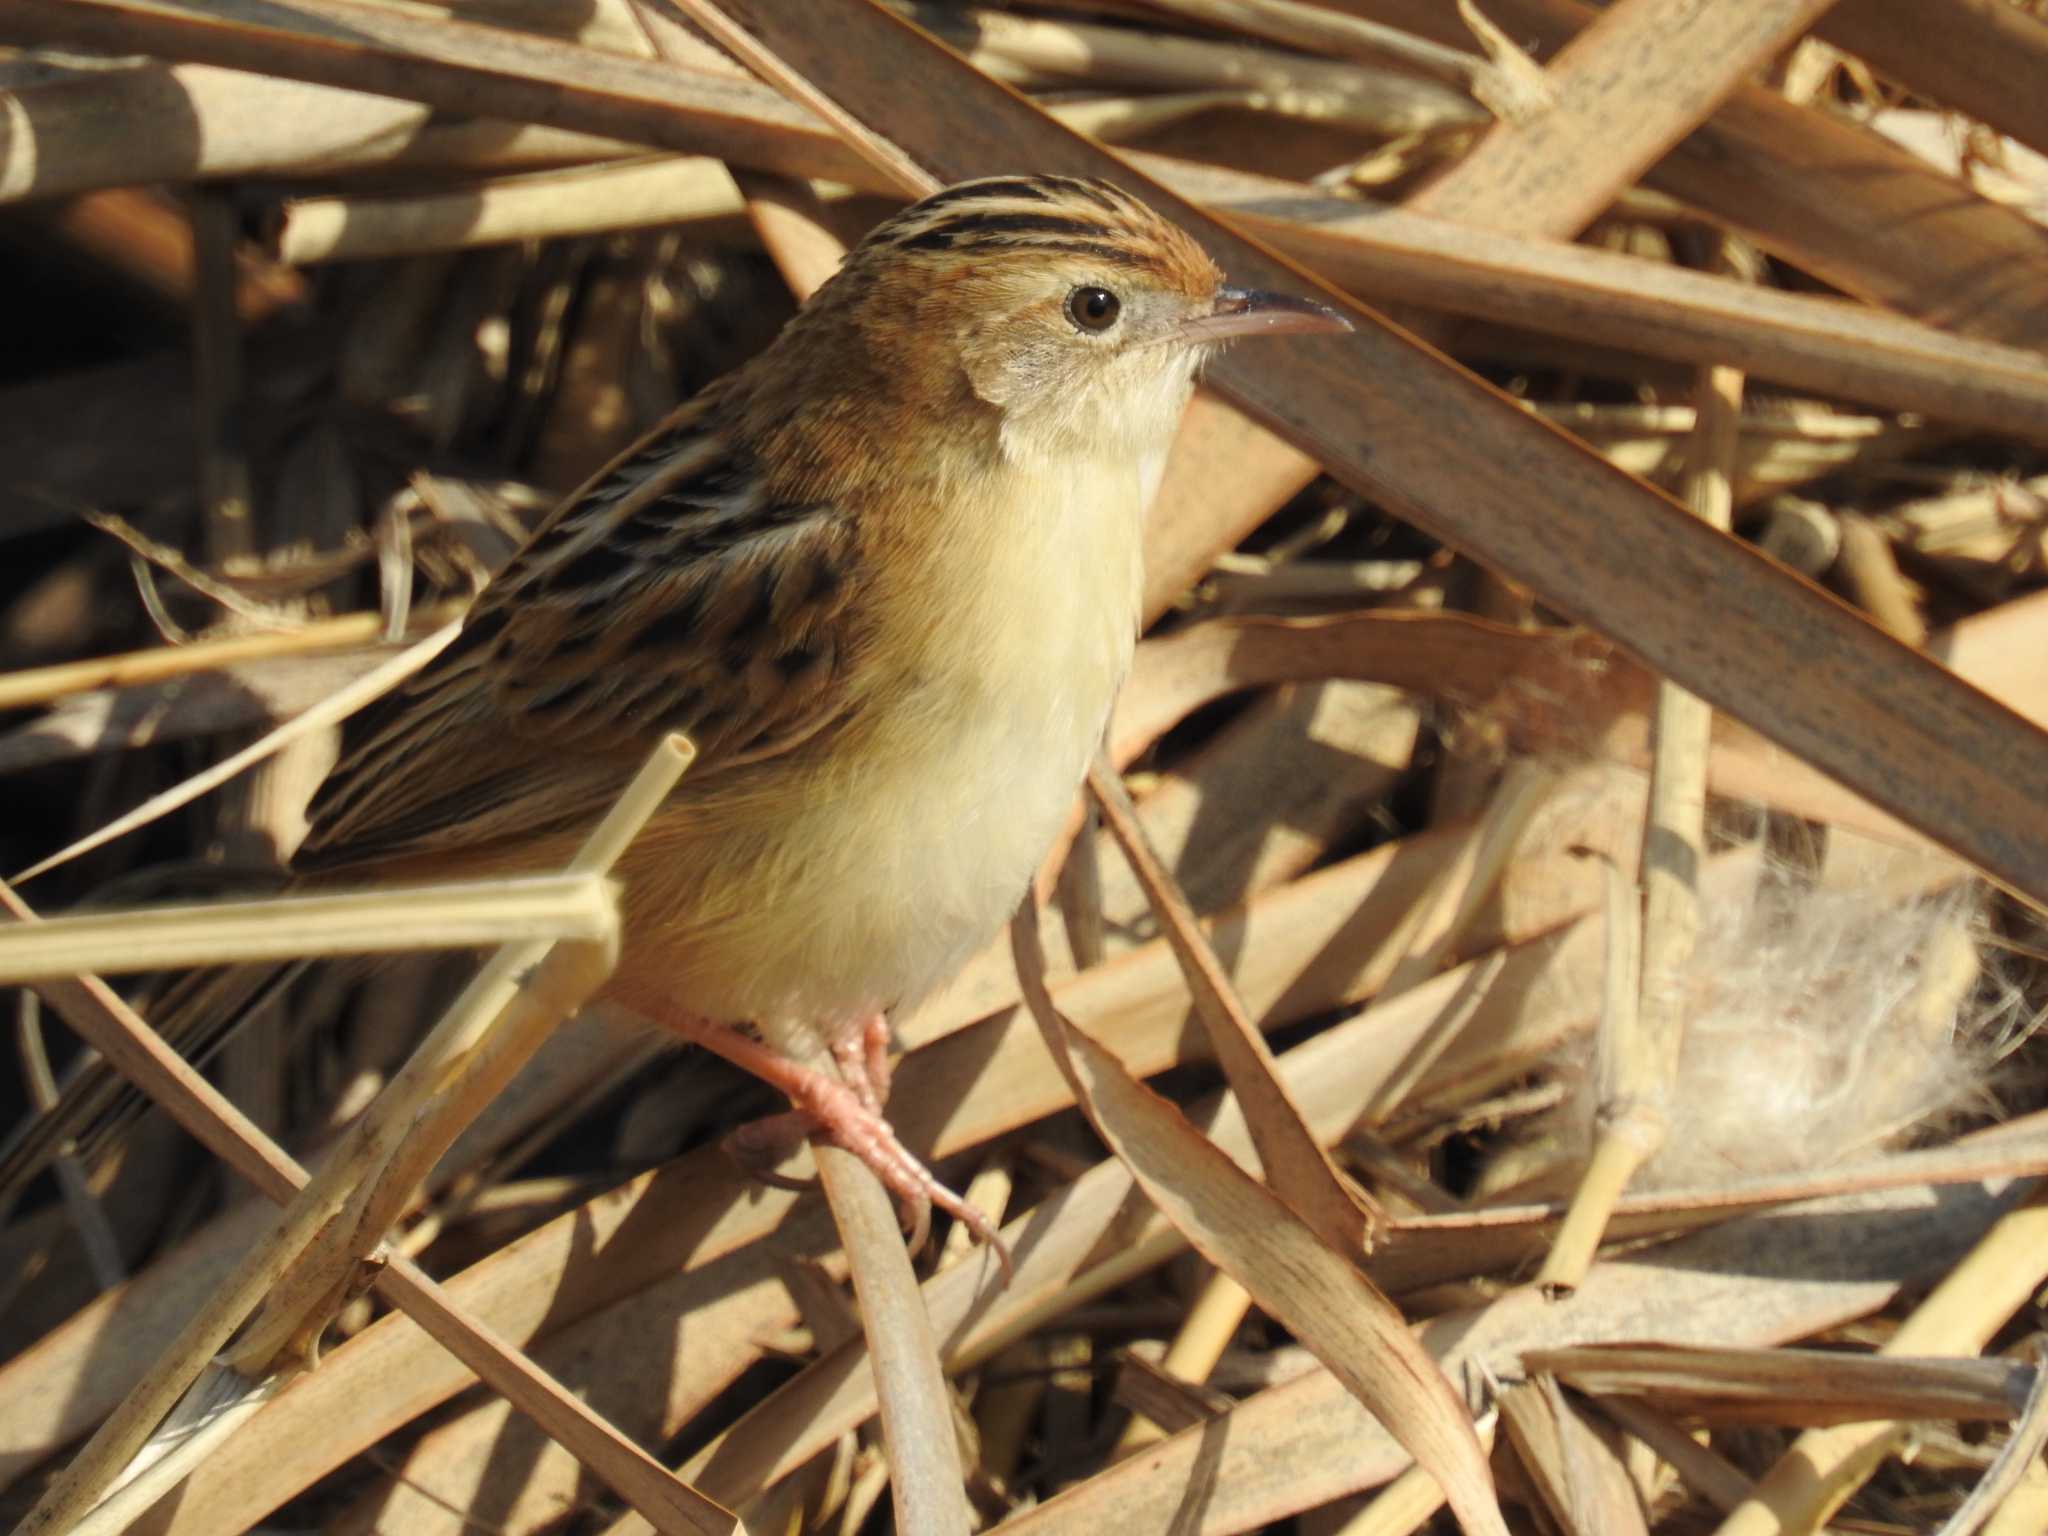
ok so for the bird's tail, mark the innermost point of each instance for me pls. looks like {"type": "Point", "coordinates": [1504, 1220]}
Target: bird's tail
{"type": "Point", "coordinates": [195, 1012]}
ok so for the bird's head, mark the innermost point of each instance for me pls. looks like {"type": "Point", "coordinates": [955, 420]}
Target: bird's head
{"type": "Point", "coordinates": [1068, 307]}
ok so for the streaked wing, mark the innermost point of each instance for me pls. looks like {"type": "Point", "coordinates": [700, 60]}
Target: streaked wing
{"type": "Point", "coordinates": [671, 593]}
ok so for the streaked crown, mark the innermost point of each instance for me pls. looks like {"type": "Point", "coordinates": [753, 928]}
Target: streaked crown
{"type": "Point", "coordinates": [1048, 216]}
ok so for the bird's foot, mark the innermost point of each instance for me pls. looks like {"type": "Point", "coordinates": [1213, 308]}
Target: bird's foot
{"type": "Point", "coordinates": [846, 1110]}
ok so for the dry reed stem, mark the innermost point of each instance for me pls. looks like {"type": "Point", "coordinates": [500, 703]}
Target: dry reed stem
{"type": "Point", "coordinates": [43, 685]}
{"type": "Point", "coordinates": [1302, 1281]}
{"type": "Point", "coordinates": [1979, 57]}
{"type": "Point", "coordinates": [1825, 1466]}
{"type": "Point", "coordinates": [331, 710]}
{"type": "Point", "coordinates": [370, 1145]}
{"type": "Point", "coordinates": [1211, 1322]}
{"type": "Point", "coordinates": [2019, 1455]}
{"type": "Point", "coordinates": [1643, 1029]}
{"type": "Point", "coordinates": [916, 1405]}
{"type": "Point", "coordinates": [1294, 1162]}
{"type": "Point", "coordinates": [1317, 30]}
{"type": "Point", "coordinates": [1042, 52]}
{"type": "Point", "coordinates": [540, 205]}
{"type": "Point", "coordinates": [566, 908]}
{"type": "Point", "coordinates": [1870, 569]}
{"type": "Point", "coordinates": [1700, 1467]}
{"type": "Point", "coordinates": [1574, 1467]}
{"type": "Point", "coordinates": [1631, 84]}
{"type": "Point", "coordinates": [1406, 1504]}
{"type": "Point", "coordinates": [1793, 1386]}
{"type": "Point", "coordinates": [1632, 1112]}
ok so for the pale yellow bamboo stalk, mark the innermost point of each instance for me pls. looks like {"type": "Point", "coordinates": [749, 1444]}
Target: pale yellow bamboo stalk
{"type": "Point", "coordinates": [572, 908]}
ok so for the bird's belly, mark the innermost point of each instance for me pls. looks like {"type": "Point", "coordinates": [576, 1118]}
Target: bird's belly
{"type": "Point", "coordinates": [858, 874]}
{"type": "Point", "coordinates": [863, 881]}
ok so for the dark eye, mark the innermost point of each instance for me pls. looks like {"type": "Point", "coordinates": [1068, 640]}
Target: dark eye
{"type": "Point", "coordinates": [1093, 309]}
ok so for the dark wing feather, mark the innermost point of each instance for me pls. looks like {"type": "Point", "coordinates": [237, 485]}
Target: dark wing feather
{"type": "Point", "coordinates": [672, 593]}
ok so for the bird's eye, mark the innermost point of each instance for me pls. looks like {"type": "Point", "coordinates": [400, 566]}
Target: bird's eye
{"type": "Point", "coordinates": [1093, 309]}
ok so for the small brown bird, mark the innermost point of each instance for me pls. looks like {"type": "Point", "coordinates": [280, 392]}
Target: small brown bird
{"type": "Point", "coordinates": [886, 577]}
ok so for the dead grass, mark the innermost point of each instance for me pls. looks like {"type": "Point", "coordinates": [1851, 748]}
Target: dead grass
{"type": "Point", "coordinates": [330, 298]}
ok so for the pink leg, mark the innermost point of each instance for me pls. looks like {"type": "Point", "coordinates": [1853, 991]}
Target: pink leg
{"type": "Point", "coordinates": [862, 1053]}
{"type": "Point", "coordinates": [846, 1113]}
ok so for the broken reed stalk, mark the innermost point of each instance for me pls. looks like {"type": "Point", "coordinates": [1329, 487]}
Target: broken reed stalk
{"type": "Point", "coordinates": [565, 908]}
{"type": "Point", "coordinates": [1626, 1139]}
{"type": "Point", "coordinates": [1639, 1045]}
{"type": "Point", "coordinates": [312, 1257]}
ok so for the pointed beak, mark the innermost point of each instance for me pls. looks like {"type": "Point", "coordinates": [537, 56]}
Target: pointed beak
{"type": "Point", "coordinates": [1247, 312]}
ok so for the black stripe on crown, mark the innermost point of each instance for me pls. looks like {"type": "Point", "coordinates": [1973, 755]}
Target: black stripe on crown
{"type": "Point", "coordinates": [982, 216]}
{"type": "Point", "coordinates": [1029, 188]}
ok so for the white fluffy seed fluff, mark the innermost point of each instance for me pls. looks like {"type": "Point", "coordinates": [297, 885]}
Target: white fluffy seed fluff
{"type": "Point", "coordinates": [1823, 1025]}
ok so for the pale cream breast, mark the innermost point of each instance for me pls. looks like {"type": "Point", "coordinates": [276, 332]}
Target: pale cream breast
{"type": "Point", "coordinates": [868, 874]}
